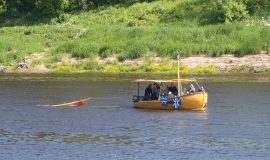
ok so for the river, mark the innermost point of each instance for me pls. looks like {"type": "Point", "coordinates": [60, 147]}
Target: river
{"type": "Point", "coordinates": [236, 125]}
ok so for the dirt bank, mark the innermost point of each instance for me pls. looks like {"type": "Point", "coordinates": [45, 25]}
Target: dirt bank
{"type": "Point", "coordinates": [228, 63]}
{"type": "Point", "coordinates": [225, 64]}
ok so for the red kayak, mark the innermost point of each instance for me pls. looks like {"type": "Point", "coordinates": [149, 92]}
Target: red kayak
{"type": "Point", "coordinates": [70, 104]}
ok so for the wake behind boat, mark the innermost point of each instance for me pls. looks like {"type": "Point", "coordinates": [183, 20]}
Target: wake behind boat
{"type": "Point", "coordinates": [76, 103]}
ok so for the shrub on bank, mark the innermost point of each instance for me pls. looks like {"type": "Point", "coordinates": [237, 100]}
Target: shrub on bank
{"type": "Point", "coordinates": [64, 69]}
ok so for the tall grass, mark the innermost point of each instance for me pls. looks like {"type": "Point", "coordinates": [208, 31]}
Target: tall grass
{"type": "Point", "coordinates": [130, 32]}
{"type": "Point", "coordinates": [168, 41]}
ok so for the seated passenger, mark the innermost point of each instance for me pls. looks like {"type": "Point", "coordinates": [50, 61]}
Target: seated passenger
{"type": "Point", "coordinates": [170, 88]}
{"type": "Point", "coordinates": [174, 90]}
{"type": "Point", "coordinates": [170, 95]}
{"type": "Point", "coordinates": [191, 89]}
{"type": "Point", "coordinates": [148, 92]}
{"type": "Point", "coordinates": [163, 90]}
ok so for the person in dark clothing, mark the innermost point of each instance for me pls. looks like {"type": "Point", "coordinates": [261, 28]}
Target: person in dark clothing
{"type": "Point", "coordinates": [170, 89]}
{"type": "Point", "coordinates": [174, 90]}
{"type": "Point", "coordinates": [148, 92]}
{"type": "Point", "coordinates": [154, 95]}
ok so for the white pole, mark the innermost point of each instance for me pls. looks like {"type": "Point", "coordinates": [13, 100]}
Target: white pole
{"type": "Point", "coordinates": [178, 79]}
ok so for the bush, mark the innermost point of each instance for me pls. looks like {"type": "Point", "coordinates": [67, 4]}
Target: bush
{"type": "Point", "coordinates": [92, 66]}
{"type": "Point", "coordinates": [64, 69]}
{"type": "Point", "coordinates": [227, 11]}
{"type": "Point", "coordinates": [105, 51]}
{"type": "Point", "coordinates": [121, 57]}
{"type": "Point", "coordinates": [76, 49]}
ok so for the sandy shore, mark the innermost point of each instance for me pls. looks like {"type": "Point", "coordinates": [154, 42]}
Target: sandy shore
{"type": "Point", "coordinates": [225, 64]}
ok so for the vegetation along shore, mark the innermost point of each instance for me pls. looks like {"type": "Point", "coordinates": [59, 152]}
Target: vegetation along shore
{"type": "Point", "coordinates": [211, 36]}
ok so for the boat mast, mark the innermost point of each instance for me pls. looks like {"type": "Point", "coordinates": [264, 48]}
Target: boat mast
{"type": "Point", "coordinates": [178, 78]}
{"type": "Point", "coordinates": [138, 90]}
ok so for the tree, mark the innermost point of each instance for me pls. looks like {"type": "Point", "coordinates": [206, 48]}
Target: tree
{"type": "Point", "coordinates": [19, 6]}
{"type": "Point", "coordinates": [51, 7]}
{"type": "Point", "coordinates": [227, 10]}
{"type": "Point", "coordinates": [2, 6]}
{"type": "Point", "coordinates": [257, 6]}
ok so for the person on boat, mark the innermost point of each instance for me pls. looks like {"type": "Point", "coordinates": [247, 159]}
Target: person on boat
{"type": "Point", "coordinates": [148, 92]}
{"type": "Point", "coordinates": [154, 95]}
{"type": "Point", "coordinates": [191, 89]}
{"type": "Point", "coordinates": [170, 88]}
{"type": "Point", "coordinates": [173, 89]}
{"type": "Point", "coordinates": [158, 89]}
{"type": "Point", "coordinates": [170, 95]}
{"type": "Point", "coordinates": [163, 90]}
{"type": "Point", "coordinates": [201, 89]}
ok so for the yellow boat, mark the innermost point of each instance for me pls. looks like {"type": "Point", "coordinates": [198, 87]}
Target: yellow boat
{"type": "Point", "coordinates": [182, 101]}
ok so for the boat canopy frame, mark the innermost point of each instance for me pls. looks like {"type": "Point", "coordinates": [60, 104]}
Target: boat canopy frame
{"type": "Point", "coordinates": [138, 81]}
{"type": "Point", "coordinates": [164, 81]}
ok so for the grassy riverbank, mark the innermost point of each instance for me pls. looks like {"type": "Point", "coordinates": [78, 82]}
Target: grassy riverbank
{"type": "Point", "coordinates": [127, 32]}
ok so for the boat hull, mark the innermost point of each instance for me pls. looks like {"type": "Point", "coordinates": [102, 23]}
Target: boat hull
{"type": "Point", "coordinates": [70, 104]}
{"type": "Point", "coordinates": [197, 101]}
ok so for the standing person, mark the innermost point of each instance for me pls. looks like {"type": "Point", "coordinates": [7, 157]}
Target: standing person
{"type": "Point", "coordinates": [158, 89]}
{"type": "Point", "coordinates": [148, 92]}
{"type": "Point", "coordinates": [154, 92]}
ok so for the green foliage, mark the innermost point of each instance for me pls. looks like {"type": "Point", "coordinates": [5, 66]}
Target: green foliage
{"type": "Point", "coordinates": [259, 7]}
{"type": "Point", "coordinates": [92, 66]}
{"type": "Point", "coordinates": [64, 69]}
{"type": "Point", "coordinates": [105, 51]}
{"type": "Point", "coordinates": [76, 49]}
{"type": "Point", "coordinates": [204, 70]}
{"type": "Point", "coordinates": [131, 29]}
{"type": "Point", "coordinates": [123, 69]}
{"type": "Point", "coordinates": [230, 10]}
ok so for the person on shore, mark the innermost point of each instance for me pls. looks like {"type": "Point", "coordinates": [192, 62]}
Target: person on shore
{"type": "Point", "coordinates": [4, 70]}
{"type": "Point", "coordinates": [148, 92]}
{"type": "Point", "coordinates": [24, 63]}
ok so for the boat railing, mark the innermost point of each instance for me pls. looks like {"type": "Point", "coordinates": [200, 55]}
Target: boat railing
{"type": "Point", "coordinates": [138, 98]}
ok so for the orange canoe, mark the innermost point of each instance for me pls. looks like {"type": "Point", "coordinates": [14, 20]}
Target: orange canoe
{"type": "Point", "coordinates": [70, 104]}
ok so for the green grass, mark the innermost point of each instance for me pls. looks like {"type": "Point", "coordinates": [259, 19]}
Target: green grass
{"type": "Point", "coordinates": [130, 32]}
{"type": "Point", "coordinates": [168, 41]}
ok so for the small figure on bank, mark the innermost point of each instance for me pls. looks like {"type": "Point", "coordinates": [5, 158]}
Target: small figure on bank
{"type": "Point", "coordinates": [24, 63]}
{"type": "Point", "coordinates": [4, 70]}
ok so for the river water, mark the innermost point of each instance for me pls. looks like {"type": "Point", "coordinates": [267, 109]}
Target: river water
{"type": "Point", "coordinates": [236, 125]}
